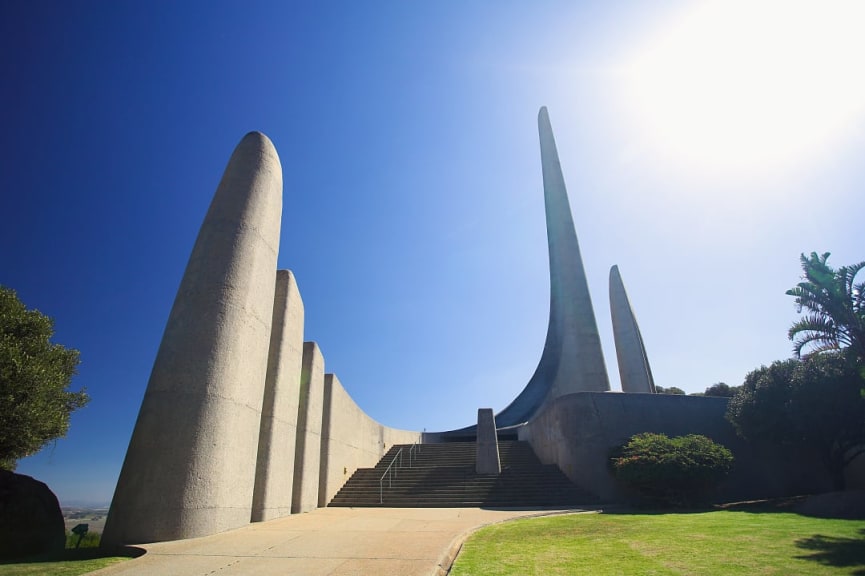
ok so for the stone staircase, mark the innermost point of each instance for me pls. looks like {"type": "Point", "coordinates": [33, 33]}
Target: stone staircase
{"type": "Point", "coordinates": [443, 475]}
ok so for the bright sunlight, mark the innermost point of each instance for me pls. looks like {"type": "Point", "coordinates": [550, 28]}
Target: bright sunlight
{"type": "Point", "coordinates": [750, 86]}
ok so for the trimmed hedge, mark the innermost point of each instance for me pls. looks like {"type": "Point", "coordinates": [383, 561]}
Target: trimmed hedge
{"type": "Point", "coordinates": [664, 471]}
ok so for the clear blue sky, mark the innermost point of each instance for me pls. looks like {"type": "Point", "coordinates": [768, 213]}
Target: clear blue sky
{"type": "Point", "coordinates": [705, 146]}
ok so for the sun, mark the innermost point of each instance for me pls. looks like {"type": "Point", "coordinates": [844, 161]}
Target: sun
{"type": "Point", "coordinates": [749, 85]}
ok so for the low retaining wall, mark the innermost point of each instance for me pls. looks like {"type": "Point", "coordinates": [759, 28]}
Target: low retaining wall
{"type": "Point", "coordinates": [578, 431]}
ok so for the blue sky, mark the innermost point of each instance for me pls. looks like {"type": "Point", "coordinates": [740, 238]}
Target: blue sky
{"type": "Point", "coordinates": [704, 146]}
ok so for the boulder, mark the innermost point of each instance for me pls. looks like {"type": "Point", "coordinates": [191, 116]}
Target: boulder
{"type": "Point", "coordinates": [848, 505]}
{"type": "Point", "coordinates": [31, 521]}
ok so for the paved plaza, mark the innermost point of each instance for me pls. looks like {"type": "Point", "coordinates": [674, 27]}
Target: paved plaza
{"type": "Point", "coordinates": [327, 541]}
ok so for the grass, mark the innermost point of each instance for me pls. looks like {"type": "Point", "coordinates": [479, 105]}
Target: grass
{"type": "Point", "coordinates": [89, 540]}
{"type": "Point", "coordinates": [717, 543]}
{"type": "Point", "coordinates": [67, 563]}
{"type": "Point", "coordinates": [70, 562]}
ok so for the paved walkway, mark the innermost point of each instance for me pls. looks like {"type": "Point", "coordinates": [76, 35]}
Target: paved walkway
{"type": "Point", "coordinates": [327, 541]}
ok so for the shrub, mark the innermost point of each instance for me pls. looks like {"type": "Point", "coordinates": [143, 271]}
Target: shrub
{"type": "Point", "coordinates": [90, 540]}
{"type": "Point", "coordinates": [666, 471]}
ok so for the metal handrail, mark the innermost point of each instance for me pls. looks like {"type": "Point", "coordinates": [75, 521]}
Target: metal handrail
{"type": "Point", "coordinates": [414, 450]}
{"type": "Point", "coordinates": [389, 470]}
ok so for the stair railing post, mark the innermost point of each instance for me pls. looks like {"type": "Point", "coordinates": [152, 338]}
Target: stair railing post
{"type": "Point", "coordinates": [389, 472]}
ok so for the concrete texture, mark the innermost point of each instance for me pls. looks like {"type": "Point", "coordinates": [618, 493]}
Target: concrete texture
{"type": "Point", "coordinates": [309, 415]}
{"type": "Point", "coordinates": [487, 456]}
{"type": "Point", "coordinates": [274, 475]}
{"type": "Point", "coordinates": [190, 466]}
{"type": "Point", "coordinates": [634, 370]}
{"type": "Point", "coordinates": [578, 431]}
{"type": "Point", "coordinates": [572, 360]}
{"type": "Point", "coordinates": [327, 541]}
{"type": "Point", "coordinates": [350, 439]}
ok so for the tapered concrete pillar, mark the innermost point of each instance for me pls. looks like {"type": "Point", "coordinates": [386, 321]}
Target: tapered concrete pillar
{"type": "Point", "coordinates": [487, 455]}
{"type": "Point", "coordinates": [572, 360]}
{"type": "Point", "coordinates": [274, 475]}
{"type": "Point", "coordinates": [634, 370]}
{"type": "Point", "coordinates": [190, 467]}
{"type": "Point", "coordinates": [307, 457]}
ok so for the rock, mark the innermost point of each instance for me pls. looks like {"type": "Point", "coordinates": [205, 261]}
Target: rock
{"type": "Point", "coordinates": [848, 505]}
{"type": "Point", "coordinates": [31, 521]}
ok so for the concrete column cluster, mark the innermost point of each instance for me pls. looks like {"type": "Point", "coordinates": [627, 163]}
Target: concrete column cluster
{"type": "Point", "coordinates": [230, 427]}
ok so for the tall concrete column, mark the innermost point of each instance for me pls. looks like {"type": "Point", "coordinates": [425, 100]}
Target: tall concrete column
{"type": "Point", "coordinates": [572, 360]}
{"type": "Point", "coordinates": [274, 474]}
{"type": "Point", "coordinates": [329, 423]}
{"type": "Point", "coordinates": [307, 457]}
{"type": "Point", "coordinates": [634, 370]}
{"type": "Point", "coordinates": [190, 467]}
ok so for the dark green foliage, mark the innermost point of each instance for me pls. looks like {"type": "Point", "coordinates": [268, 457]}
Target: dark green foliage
{"type": "Point", "coordinates": [722, 390]}
{"type": "Point", "coordinates": [812, 403]}
{"type": "Point", "coordinates": [34, 376]}
{"type": "Point", "coordinates": [836, 304]}
{"type": "Point", "coordinates": [666, 471]}
{"type": "Point", "coordinates": [670, 390]}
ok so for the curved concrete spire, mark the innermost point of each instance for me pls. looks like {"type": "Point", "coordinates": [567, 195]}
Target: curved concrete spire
{"type": "Point", "coordinates": [190, 466]}
{"type": "Point", "coordinates": [572, 360]}
{"type": "Point", "coordinates": [634, 370]}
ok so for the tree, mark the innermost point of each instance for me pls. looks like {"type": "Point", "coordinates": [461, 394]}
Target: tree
{"type": "Point", "coordinates": [676, 471]}
{"type": "Point", "coordinates": [814, 402]}
{"type": "Point", "coordinates": [836, 304]}
{"type": "Point", "coordinates": [34, 376]}
{"type": "Point", "coordinates": [721, 389]}
{"type": "Point", "coordinates": [670, 390]}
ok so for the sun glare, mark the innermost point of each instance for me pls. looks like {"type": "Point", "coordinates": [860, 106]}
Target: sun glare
{"type": "Point", "coordinates": [750, 85]}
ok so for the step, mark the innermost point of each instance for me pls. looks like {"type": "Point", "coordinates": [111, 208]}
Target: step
{"type": "Point", "coordinates": [443, 475]}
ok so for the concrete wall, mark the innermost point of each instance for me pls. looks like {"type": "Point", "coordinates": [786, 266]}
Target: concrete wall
{"type": "Point", "coordinates": [274, 475]}
{"type": "Point", "coordinates": [309, 415]}
{"type": "Point", "coordinates": [350, 439]}
{"type": "Point", "coordinates": [577, 432]}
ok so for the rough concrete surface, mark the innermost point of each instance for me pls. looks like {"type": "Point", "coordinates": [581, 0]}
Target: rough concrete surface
{"type": "Point", "coordinates": [487, 452]}
{"type": "Point", "coordinates": [350, 439]}
{"type": "Point", "coordinates": [274, 475]}
{"type": "Point", "coordinates": [327, 541]}
{"type": "Point", "coordinates": [634, 370]}
{"type": "Point", "coordinates": [190, 466]}
{"type": "Point", "coordinates": [572, 360]}
{"type": "Point", "coordinates": [307, 456]}
{"type": "Point", "coordinates": [578, 431]}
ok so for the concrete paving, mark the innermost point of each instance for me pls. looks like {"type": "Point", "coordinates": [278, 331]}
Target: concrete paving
{"type": "Point", "coordinates": [327, 541]}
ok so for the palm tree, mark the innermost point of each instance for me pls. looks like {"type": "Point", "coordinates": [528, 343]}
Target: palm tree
{"type": "Point", "coordinates": [836, 305]}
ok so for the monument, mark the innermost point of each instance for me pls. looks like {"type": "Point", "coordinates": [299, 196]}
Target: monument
{"type": "Point", "coordinates": [240, 422]}
{"type": "Point", "coordinates": [190, 466]}
{"type": "Point", "coordinates": [634, 370]}
{"type": "Point", "coordinates": [572, 359]}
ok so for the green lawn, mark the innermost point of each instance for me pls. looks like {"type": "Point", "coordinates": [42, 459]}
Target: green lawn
{"type": "Point", "coordinates": [67, 563]}
{"type": "Point", "coordinates": [720, 542]}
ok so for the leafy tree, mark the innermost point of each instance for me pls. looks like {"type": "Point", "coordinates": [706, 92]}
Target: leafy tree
{"type": "Point", "coordinates": [34, 376]}
{"type": "Point", "coordinates": [836, 305]}
{"type": "Point", "coordinates": [814, 402]}
{"type": "Point", "coordinates": [671, 471]}
{"type": "Point", "coordinates": [670, 390]}
{"type": "Point", "coordinates": [721, 389]}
